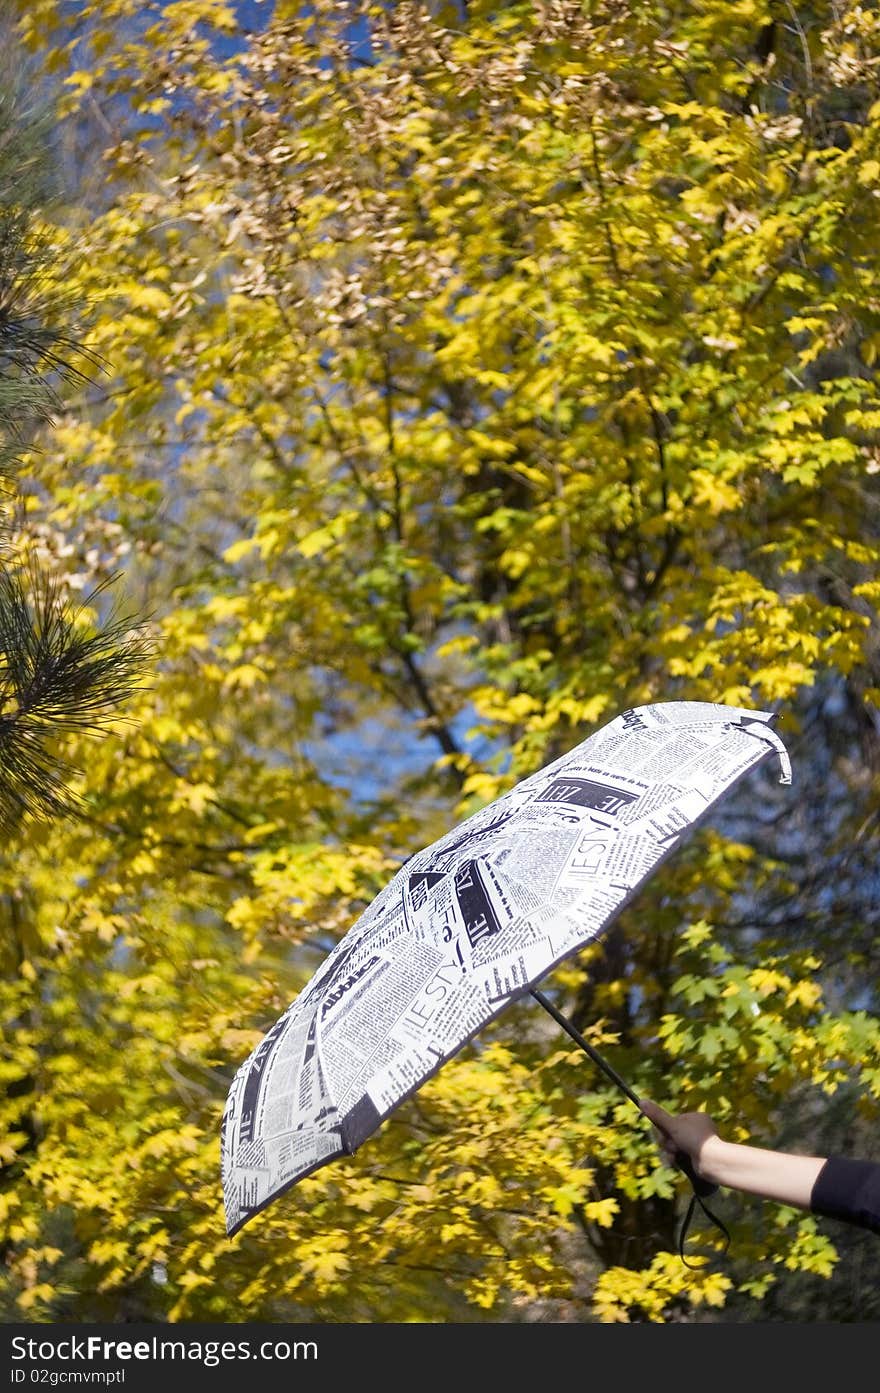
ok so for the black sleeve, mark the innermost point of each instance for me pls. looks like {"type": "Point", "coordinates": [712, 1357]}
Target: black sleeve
{"type": "Point", "coordinates": [848, 1190]}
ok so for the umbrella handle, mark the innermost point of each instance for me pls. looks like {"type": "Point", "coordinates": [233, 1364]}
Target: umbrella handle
{"type": "Point", "coordinates": [702, 1188]}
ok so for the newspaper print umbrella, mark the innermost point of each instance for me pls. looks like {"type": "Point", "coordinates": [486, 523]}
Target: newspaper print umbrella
{"type": "Point", "coordinates": [469, 924]}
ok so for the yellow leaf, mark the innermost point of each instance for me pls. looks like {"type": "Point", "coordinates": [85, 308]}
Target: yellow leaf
{"type": "Point", "coordinates": [602, 1212]}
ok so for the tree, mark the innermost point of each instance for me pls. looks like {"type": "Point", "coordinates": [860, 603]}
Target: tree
{"type": "Point", "coordinates": [474, 377]}
{"type": "Point", "coordinates": [58, 671]}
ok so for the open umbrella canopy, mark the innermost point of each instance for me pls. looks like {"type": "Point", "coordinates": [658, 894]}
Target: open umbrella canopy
{"type": "Point", "coordinates": [468, 925]}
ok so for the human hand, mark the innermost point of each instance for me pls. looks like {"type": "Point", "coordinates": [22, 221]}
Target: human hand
{"type": "Point", "coordinates": [686, 1132]}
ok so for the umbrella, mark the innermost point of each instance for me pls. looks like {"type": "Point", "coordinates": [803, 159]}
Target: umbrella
{"type": "Point", "coordinates": [468, 925]}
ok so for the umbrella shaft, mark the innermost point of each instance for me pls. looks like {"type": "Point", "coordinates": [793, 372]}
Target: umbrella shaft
{"type": "Point", "coordinates": [587, 1048]}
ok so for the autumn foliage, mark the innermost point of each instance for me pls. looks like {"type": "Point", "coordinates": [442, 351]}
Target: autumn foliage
{"type": "Point", "coordinates": [472, 374]}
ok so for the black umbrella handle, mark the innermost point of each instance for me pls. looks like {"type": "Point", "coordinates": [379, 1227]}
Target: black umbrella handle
{"type": "Point", "coordinates": [702, 1188]}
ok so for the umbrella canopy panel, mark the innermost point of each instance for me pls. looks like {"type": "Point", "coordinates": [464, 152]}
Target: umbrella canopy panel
{"type": "Point", "coordinates": [469, 924]}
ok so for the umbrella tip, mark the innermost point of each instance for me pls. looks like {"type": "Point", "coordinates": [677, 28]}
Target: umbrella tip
{"type": "Point", "coordinates": [768, 736]}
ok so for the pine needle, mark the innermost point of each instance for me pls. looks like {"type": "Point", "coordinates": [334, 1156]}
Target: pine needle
{"type": "Point", "coordinates": [58, 677]}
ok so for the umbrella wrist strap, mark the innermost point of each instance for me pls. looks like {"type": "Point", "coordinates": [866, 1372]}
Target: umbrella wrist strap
{"type": "Point", "coordinates": [701, 1188]}
{"type": "Point", "coordinates": [697, 1199]}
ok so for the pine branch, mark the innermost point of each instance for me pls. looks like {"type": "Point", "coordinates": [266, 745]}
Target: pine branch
{"type": "Point", "coordinates": [58, 677]}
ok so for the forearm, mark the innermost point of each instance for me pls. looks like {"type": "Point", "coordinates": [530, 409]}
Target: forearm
{"type": "Point", "coordinates": [773, 1175]}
